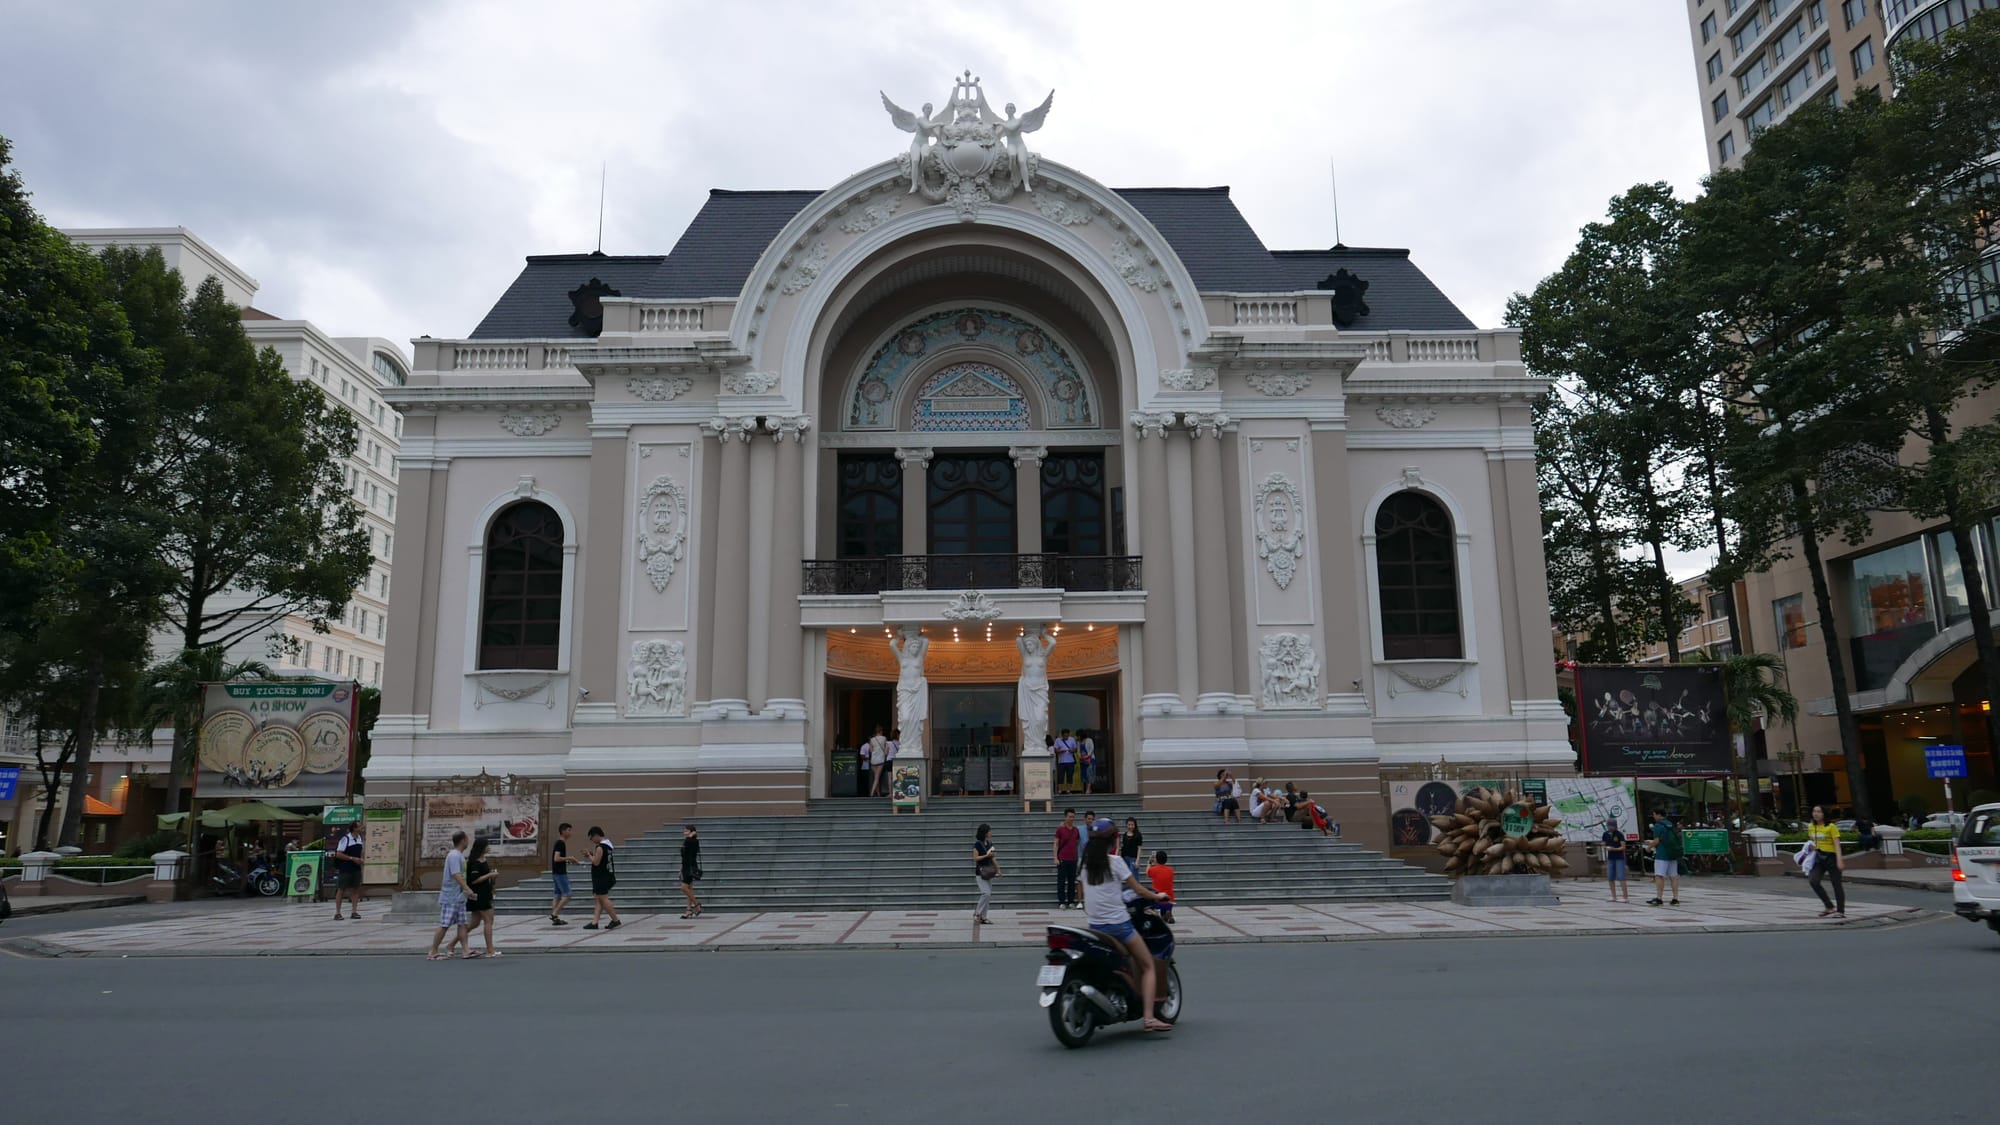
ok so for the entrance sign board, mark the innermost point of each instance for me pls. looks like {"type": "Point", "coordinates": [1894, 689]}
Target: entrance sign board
{"type": "Point", "coordinates": [275, 740]}
{"type": "Point", "coordinates": [1944, 761]}
{"type": "Point", "coordinates": [1656, 720]}
{"type": "Point", "coordinates": [302, 873]}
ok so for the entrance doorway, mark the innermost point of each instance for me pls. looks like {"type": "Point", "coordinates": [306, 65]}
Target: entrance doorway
{"type": "Point", "coordinates": [1086, 708]}
{"type": "Point", "coordinates": [857, 709]}
{"type": "Point", "coordinates": [973, 738]}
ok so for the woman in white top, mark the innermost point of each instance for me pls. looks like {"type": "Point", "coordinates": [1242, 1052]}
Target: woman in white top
{"type": "Point", "coordinates": [1102, 883]}
{"type": "Point", "coordinates": [1262, 807]}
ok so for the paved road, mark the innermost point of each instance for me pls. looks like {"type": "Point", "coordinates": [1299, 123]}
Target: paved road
{"type": "Point", "coordinates": [1675, 1028]}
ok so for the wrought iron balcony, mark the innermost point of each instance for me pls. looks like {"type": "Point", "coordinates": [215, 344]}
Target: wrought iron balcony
{"type": "Point", "coordinates": [973, 572]}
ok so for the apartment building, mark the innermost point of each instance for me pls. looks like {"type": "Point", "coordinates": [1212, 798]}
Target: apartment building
{"type": "Point", "coordinates": [1758, 60]}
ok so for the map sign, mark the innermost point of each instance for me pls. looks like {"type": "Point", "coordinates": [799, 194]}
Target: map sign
{"type": "Point", "coordinates": [1658, 720]}
{"type": "Point", "coordinates": [1581, 804]}
{"type": "Point", "coordinates": [275, 740]}
{"type": "Point", "coordinates": [382, 847]}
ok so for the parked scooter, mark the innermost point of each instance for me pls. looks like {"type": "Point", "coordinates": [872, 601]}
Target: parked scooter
{"type": "Point", "coordinates": [262, 878]}
{"type": "Point", "coordinates": [1088, 978]}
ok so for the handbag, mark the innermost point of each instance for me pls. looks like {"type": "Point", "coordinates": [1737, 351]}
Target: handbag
{"type": "Point", "coordinates": [988, 870]}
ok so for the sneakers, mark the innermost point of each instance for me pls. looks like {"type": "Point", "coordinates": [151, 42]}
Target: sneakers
{"type": "Point", "coordinates": [1657, 902]}
{"type": "Point", "coordinates": [555, 921]}
{"type": "Point", "coordinates": [590, 925]}
{"type": "Point", "coordinates": [615, 923]}
{"type": "Point", "coordinates": [1673, 902]}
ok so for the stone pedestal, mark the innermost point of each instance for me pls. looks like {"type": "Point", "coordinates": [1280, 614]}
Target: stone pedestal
{"type": "Point", "coordinates": [1504, 890]}
{"type": "Point", "coordinates": [168, 867]}
{"type": "Point", "coordinates": [1892, 840]}
{"type": "Point", "coordinates": [35, 868]}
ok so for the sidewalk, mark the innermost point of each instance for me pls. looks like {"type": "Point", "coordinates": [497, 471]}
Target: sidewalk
{"type": "Point", "coordinates": [59, 904]}
{"type": "Point", "coordinates": [308, 930]}
{"type": "Point", "coordinates": [1909, 879]}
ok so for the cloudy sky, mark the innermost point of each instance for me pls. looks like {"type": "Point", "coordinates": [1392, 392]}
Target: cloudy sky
{"type": "Point", "coordinates": [381, 168]}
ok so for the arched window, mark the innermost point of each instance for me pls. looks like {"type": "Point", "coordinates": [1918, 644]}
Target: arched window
{"type": "Point", "coordinates": [1414, 549]}
{"type": "Point", "coordinates": [1073, 503]}
{"type": "Point", "coordinates": [520, 617]}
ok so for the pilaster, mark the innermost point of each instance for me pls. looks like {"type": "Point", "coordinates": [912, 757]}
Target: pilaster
{"type": "Point", "coordinates": [1341, 591]}
{"type": "Point", "coordinates": [728, 615]}
{"type": "Point", "coordinates": [597, 641]}
{"type": "Point", "coordinates": [916, 464]}
{"type": "Point", "coordinates": [1159, 674]}
{"type": "Point", "coordinates": [1215, 610]}
{"type": "Point", "coordinates": [1028, 496]}
{"type": "Point", "coordinates": [1181, 505]}
{"type": "Point", "coordinates": [785, 687]}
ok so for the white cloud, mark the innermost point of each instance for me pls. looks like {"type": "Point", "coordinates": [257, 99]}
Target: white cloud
{"type": "Point", "coordinates": [383, 175]}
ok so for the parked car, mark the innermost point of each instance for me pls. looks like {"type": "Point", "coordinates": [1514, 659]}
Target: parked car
{"type": "Point", "coordinates": [1953, 820]}
{"type": "Point", "coordinates": [1975, 868]}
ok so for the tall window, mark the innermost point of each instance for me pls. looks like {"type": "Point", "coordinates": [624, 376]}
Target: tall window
{"type": "Point", "coordinates": [871, 506]}
{"type": "Point", "coordinates": [1721, 105]}
{"type": "Point", "coordinates": [1418, 580]}
{"type": "Point", "coordinates": [1708, 27]}
{"type": "Point", "coordinates": [972, 504]}
{"type": "Point", "coordinates": [1715, 66]}
{"type": "Point", "coordinates": [1853, 11]}
{"type": "Point", "coordinates": [520, 623]}
{"type": "Point", "coordinates": [1725, 147]}
{"type": "Point", "coordinates": [1864, 57]}
{"type": "Point", "coordinates": [1073, 503]}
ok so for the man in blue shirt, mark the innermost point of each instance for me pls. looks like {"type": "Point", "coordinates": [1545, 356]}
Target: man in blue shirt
{"type": "Point", "coordinates": [1614, 862]}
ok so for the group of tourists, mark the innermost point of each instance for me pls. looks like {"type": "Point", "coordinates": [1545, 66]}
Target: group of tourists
{"type": "Point", "coordinates": [1076, 762]}
{"type": "Point", "coordinates": [882, 750]}
{"type": "Point", "coordinates": [1270, 804]}
{"type": "Point", "coordinates": [1821, 857]}
{"type": "Point", "coordinates": [465, 893]}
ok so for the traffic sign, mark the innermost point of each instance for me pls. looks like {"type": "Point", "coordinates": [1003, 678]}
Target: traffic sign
{"type": "Point", "coordinates": [9, 777]}
{"type": "Point", "coordinates": [1944, 761]}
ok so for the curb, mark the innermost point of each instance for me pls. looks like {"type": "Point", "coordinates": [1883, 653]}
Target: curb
{"type": "Point", "coordinates": [37, 948]}
{"type": "Point", "coordinates": [56, 904]}
{"type": "Point", "coordinates": [1873, 879]}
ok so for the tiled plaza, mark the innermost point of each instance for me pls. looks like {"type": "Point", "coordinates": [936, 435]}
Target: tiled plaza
{"type": "Point", "coordinates": [311, 930]}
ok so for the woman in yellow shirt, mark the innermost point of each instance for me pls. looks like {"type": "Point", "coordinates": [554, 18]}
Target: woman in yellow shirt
{"type": "Point", "coordinates": [1825, 838]}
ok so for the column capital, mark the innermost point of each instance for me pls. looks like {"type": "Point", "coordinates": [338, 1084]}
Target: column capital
{"type": "Point", "coordinates": [1025, 455]}
{"type": "Point", "coordinates": [1208, 423]}
{"type": "Point", "coordinates": [731, 427]}
{"type": "Point", "coordinates": [1152, 424]}
{"type": "Point", "coordinates": [788, 427]}
{"type": "Point", "coordinates": [917, 457]}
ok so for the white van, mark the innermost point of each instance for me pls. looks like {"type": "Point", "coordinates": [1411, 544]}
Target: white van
{"type": "Point", "coordinates": [1975, 868]}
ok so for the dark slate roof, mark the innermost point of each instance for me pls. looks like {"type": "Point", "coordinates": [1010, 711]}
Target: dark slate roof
{"type": "Point", "coordinates": [721, 246]}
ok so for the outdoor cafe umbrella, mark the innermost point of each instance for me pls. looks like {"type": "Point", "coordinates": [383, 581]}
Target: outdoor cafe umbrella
{"type": "Point", "coordinates": [235, 816]}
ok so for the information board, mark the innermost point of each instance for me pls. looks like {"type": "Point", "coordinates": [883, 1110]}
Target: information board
{"type": "Point", "coordinates": [382, 847]}
{"type": "Point", "coordinates": [10, 776]}
{"type": "Point", "coordinates": [1944, 761]}
{"type": "Point", "coordinates": [1704, 841]}
{"type": "Point", "coordinates": [1653, 720]}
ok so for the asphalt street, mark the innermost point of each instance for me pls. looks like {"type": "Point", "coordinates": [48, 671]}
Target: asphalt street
{"type": "Point", "coordinates": [1834, 1025]}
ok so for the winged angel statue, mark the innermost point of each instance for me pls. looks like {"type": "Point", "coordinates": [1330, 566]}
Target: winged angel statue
{"type": "Point", "coordinates": [968, 154]}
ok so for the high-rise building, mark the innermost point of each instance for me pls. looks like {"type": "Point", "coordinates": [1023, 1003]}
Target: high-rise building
{"type": "Point", "coordinates": [1758, 60]}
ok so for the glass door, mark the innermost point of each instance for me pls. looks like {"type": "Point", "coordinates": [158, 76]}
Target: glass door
{"type": "Point", "coordinates": [973, 736]}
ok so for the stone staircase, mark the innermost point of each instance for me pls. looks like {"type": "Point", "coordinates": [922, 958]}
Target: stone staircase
{"type": "Point", "coordinates": [848, 854]}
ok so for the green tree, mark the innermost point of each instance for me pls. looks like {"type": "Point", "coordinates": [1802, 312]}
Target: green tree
{"type": "Point", "coordinates": [251, 468]}
{"type": "Point", "coordinates": [1584, 534]}
{"type": "Point", "coordinates": [1925, 203]}
{"type": "Point", "coordinates": [1754, 688]}
{"type": "Point", "coordinates": [1613, 323]}
{"type": "Point", "coordinates": [172, 696]}
{"type": "Point", "coordinates": [1770, 254]}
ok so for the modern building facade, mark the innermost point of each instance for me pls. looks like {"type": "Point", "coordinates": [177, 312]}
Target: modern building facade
{"type": "Point", "coordinates": [1758, 60]}
{"type": "Point", "coordinates": [680, 531]}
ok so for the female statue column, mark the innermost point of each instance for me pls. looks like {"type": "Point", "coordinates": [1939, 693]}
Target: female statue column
{"type": "Point", "coordinates": [1032, 695]}
{"type": "Point", "coordinates": [913, 691]}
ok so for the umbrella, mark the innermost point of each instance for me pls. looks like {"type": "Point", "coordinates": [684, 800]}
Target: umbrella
{"type": "Point", "coordinates": [251, 811]}
{"type": "Point", "coordinates": [209, 819]}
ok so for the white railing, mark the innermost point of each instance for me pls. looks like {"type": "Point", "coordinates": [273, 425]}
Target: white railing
{"type": "Point", "coordinates": [1278, 311]}
{"type": "Point", "coordinates": [553, 356]}
{"type": "Point", "coordinates": [489, 357]}
{"type": "Point", "coordinates": [670, 318]}
{"type": "Point", "coordinates": [1378, 352]}
{"type": "Point", "coordinates": [1444, 349]}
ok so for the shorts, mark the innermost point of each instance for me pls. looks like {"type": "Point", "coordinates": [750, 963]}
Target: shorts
{"type": "Point", "coordinates": [559, 883]}
{"type": "Point", "coordinates": [1667, 868]}
{"type": "Point", "coordinates": [1121, 930]}
{"type": "Point", "coordinates": [1614, 868]}
{"type": "Point", "coordinates": [451, 913]}
{"type": "Point", "coordinates": [348, 877]}
{"type": "Point", "coordinates": [602, 884]}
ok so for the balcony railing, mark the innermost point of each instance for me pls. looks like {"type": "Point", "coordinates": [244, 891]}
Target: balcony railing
{"type": "Point", "coordinates": [973, 572]}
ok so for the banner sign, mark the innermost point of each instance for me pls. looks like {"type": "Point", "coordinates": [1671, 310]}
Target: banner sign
{"type": "Point", "coordinates": [1659, 720]}
{"type": "Point", "coordinates": [906, 787]}
{"type": "Point", "coordinates": [511, 826]}
{"type": "Point", "coordinates": [382, 847]}
{"type": "Point", "coordinates": [302, 873]}
{"type": "Point", "coordinates": [10, 776]}
{"type": "Point", "coordinates": [275, 740]}
{"type": "Point", "coordinates": [1583, 805]}
{"type": "Point", "coordinates": [340, 815]}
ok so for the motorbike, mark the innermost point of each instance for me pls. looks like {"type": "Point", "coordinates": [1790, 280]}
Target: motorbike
{"type": "Point", "coordinates": [1087, 979]}
{"type": "Point", "coordinates": [262, 878]}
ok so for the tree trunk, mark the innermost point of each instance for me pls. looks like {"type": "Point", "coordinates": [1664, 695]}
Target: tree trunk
{"type": "Point", "coordinates": [1722, 563]}
{"type": "Point", "coordinates": [52, 779]}
{"type": "Point", "coordinates": [1606, 606]}
{"type": "Point", "coordinates": [1975, 585]}
{"type": "Point", "coordinates": [86, 741]}
{"type": "Point", "coordinates": [1836, 661]}
{"type": "Point", "coordinates": [1667, 590]}
{"type": "Point", "coordinates": [184, 732]}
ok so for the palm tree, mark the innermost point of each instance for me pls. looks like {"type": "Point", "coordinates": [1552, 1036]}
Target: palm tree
{"type": "Point", "coordinates": [1753, 687]}
{"type": "Point", "coordinates": [173, 695]}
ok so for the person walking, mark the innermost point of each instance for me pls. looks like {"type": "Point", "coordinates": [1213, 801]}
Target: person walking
{"type": "Point", "coordinates": [1827, 861]}
{"type": "Point", "coordinates": [1065, 861]}
{"type": "Point", "coordinates": [482, 879]}
{"type": "Point", "coordinates": [559, 875]}
{"type": "Point", "coordinates": [878, 756]}
{"type": "Point", "coordinates": [1065, 763]}
{"type": "Point", "coordinates": [1130, 843]}
{"type": "Point", "coordinates": [985, 869]}
{"type": "Point", "coordinates": [347, 856]}
{"type": "Point", "coordinates": [452, 895]}
{"type": "Point", "coordinates": [603, 877]}
{"type": "Point", "coordinates": [1614, 862]}
{"type": "Point", "coordinates": [690, 869]}
{"type": "Point", "coordinates": [1666, 844]}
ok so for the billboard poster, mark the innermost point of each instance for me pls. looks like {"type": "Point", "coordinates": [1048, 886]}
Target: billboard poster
{"type": "Point", "coordinates": [1658, 720]}
{"type": "Point", "coordinates": [511, 826]}
{"type": "Point", "coordinates": [275, 740]}
{"type": "Point", "coordinates": [382, 847]}
{"type": "Point", "coordinates": [1581, 804]}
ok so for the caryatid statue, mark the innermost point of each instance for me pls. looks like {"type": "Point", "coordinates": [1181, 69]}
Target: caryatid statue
{"type": "Point", "coordinates": [913, 691]}
{"type": "Point", "coordinates": [1032, 694]}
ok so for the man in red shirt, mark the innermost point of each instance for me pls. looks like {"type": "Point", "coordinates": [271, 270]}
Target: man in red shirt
{"type": "Point", "coordinates": [1065, 860]}
{"type": "Point", "coordinates": [1161, 876]}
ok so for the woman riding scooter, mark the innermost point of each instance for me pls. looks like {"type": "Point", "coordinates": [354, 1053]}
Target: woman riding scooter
{"type": "Point", "coordinates": [1102, 881]}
